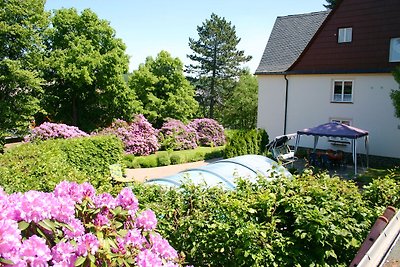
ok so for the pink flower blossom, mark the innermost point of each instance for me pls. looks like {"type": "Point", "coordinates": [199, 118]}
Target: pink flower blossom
{"type": "Point", "coordinates": [147, 258]}
{"type": "Point", "coordinates": [146, 220]}
{"type": "Point", "coordinates": [127, 200]}
{"type": "Point", "coordinates": [209, 132]}
{"type": "Point", "coordinates": [35, 251]}
{"type": "Point", "coordinates": [10, 237]}
{"type": "Point", "coordinates": [162, 247]}
{"type": "Point", "coordinates": [104, 200]}
{"type": "Point", "coordinates": [75, 230]}
{"type": "Point", "coordinates": [64, 254]}
{"type": "Point", "coordinates": [87, 243]}
{"type": "Point", "coordinates": [48, 130]}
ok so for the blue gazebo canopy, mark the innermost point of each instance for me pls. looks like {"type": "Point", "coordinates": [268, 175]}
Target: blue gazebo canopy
{"type": "Point", "coordinates": [334, 129]}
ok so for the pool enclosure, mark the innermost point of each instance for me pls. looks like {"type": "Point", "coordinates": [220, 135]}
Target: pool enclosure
{"type": "Point", "coordinates": [225, 172]}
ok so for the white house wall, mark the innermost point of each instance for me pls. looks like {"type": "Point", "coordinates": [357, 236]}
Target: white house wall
{"type": "Point", "coordinates": [309, 105]}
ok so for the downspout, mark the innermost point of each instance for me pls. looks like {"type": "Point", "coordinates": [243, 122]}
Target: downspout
{"type": "Point", "coordinates": [286, 104]}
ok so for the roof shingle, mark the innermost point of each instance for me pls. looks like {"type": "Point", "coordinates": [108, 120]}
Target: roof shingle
{"type": "Point", "coordinates": [289, 37]}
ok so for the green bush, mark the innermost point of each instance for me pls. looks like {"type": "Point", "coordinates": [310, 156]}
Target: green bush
{"type": "Point", "coordinates": [243, 142]}
{"type": "Point", "coordinates": [148, 161]}
{"type": "Point", "coordinates": [176, 159]}
{"type": "Point", "coordinates": [285, 222]}
{"type": "Point", "coordinates": [42, 165]}
{"type": "Point", "coordinates": [163, 158]}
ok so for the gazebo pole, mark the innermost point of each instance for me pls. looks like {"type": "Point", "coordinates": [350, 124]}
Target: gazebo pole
{"type": "Point", "coordinates": [355, 156]}
{"type": "Point", "coordinates": [367, 149]}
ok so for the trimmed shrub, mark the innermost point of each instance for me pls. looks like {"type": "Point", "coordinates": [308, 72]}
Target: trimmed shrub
{"type": "Point", "coordinates": [243, 142]}
{"type": "Point", "coordinates": [42, 165]}
{"type": "Point", "coordinates": [209, 132]}
{"type": "Point", "coordinates": [148, 162]}
{"type": "Point", "coordinates": [139, 137]}
{"type": "Point", "coordinates": [175, 135]}
{"type": "Point", "coordinates": [48, 130]}
{"type": "Point", "coordinates": [163, 158]}
{"type": "Point", "coordinates": [177, 159]}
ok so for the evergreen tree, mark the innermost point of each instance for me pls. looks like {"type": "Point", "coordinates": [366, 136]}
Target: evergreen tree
{"type": "Point", "coordinates": [217, 62]}
{"type": "Point", "coordinates": [21, 26]}
{"type": "Point", "coordinates": [163, 90]}
{"type": "Point", "coordinates": [85, 75]}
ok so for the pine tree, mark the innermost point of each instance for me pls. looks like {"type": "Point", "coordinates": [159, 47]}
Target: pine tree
{"type": "Point", "coordinates": [217, 62]}
{"type": "Point", "coordinates": [331, 4]}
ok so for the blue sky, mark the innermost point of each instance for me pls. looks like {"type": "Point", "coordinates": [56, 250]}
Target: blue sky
{"type": "Point", "coordinates": [149, 26]}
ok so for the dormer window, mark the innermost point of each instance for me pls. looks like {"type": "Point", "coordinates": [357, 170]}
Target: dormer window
{"type": "Point", "coordinates": [394, 53]}
{"type": "Point", "coordinates": [345, 35]}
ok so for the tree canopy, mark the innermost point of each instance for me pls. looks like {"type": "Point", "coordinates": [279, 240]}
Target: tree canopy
{"type": "Point", "coordinates": [217, 62]}
{"type": "Point", "coordinates": [331, 3]}
{"type": "Point", "coordinates": [85, 66]}
{"type": "Point", "coordinates": [240, 109]}
{"type": "Point", "coordinates": [163, 90]}
{"type": "Point", "coordinates": [21, 26]}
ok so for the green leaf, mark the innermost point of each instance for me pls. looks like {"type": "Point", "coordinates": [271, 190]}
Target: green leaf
{"type": "Point", "coordinates": [80, 260]}
{"type": "Point", "coordinates": [22, 225]}
{"type": "Point", "coordinates": [5, 261]}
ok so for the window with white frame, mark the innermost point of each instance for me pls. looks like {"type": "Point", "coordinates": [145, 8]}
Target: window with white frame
{"type": "Point", "coordinates": [340, 140]}
{"type": "Point", "coordinates": [342, 91]}
{"type": "Point", "coordinates": [345, 35]}
{"type": "Point", "coordinates": [394, 52]}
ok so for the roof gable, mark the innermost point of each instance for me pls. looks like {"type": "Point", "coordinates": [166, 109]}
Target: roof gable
{"type": "Point", "coordinates": [373, 24]}
{"type": "Point", "coordinates": [289, 37]}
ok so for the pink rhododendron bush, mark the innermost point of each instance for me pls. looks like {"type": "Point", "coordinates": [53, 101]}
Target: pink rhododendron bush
{"type": "Point", "coordinates": [48, 130]}
{"type": "Point", "coordinates": [209, 132]}
{"type": "Point", "coordinates": [175, 135]}
{"type": "Point", "coordinates": [139, 137]}
{"type": "Point", "coordinates": [74, 226]}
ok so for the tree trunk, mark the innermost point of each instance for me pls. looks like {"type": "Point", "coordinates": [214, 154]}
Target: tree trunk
{"type": "Point", "coordinates": [212, 89]}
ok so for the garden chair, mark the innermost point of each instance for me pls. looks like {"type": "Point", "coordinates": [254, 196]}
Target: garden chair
{"type": "Point", "coordinates": [117, 174]}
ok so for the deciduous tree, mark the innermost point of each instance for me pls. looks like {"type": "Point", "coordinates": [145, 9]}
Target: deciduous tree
{"type": "Point", "coordinates": [217, 62]}
{"type": "Point", "coordinates": [86, 63]}
{"type": "Point", "coordinates": [163, 90]}
{"type": "Point", "coordinates": [21, 26]}
{"type": "Point", "coordinates": [240, 109]}
{"type": "Point", "coordinates": [395, 95]}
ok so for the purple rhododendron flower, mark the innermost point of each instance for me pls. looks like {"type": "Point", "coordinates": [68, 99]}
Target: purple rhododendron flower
{"type": "Point", "coordinates": [33, 206]}
{"type": "Point", "coordinates": [146, 220]}
{"type": "Point", "coordinates": [177, 136]}
{"type": "Point", "coordinates": [139, 137]}
{"type": "Point", "coordinates": [209, 132]}
{"type": "Point", "coordinates": [48, 130]}
{"type": "Point", "coordinates": [104, 200]}
{"type": "Point", "coordinates": [10, 237]}
{"type": "Point", "coordinates": [134, 238]}
{"type": "Point", "coordinates": [162, 247]}
{"type": "Point", "coordinates": [87, 243]}
{"type": "Point", "coordinates": [64, 254]}
{"type": "Point", "coordinates": [146, 258]}
{"type": "Point", "coordinates": [35, 252]}
{"type": "Point", "coordinates": [77, 229]}
{"type": "Point", "coordinates": [127, 200]}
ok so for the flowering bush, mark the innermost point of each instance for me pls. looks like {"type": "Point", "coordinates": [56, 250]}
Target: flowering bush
{"type": "Point", "coordinates": [139, 137]}
{"type": "Point", "coordinates": [209, 132]}
{"type": "Point", "coordinates": [48, 130]}
{"type": "Point", "coordinates": [177, 136]}
{"type": "Point", "coordinates": [73, 226]}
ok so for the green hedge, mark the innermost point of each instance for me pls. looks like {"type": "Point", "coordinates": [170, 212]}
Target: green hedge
{"type": "Point", "coordinates": [285, 222]}
{"type": "Point", "coordinates": [165, 158]}
{"type": "Point", "coordinates": [243, 142]}
{"type": "Point", "coordinates": [42, 165]}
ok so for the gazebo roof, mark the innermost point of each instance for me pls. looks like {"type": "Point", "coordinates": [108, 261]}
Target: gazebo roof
{"type": "Point", "coordinates": [334, 129]}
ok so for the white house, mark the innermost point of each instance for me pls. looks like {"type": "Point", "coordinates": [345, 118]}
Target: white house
{"type": "Point", "coordinates": [333, 66]}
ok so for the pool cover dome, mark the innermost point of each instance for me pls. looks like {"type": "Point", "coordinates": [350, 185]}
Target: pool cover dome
{"type": "Point", "coordinates": [224, 172]}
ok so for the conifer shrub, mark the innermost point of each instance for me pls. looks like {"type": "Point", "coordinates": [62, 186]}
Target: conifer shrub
{"type": "Point", "coordinates": [243, 142]}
